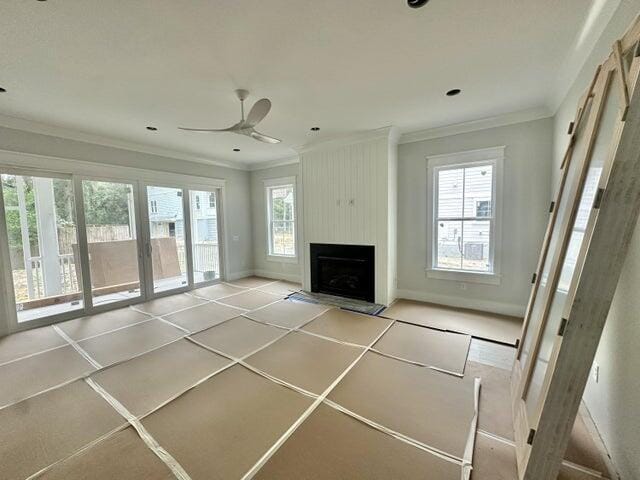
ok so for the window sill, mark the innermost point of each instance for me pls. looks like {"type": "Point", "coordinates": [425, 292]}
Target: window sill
{"type": "Point", "coordinates": [282, 258]}
{"type": "Point", "coordinates": [467, 277]}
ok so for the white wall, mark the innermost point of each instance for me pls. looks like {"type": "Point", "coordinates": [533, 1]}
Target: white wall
{"type": "Point", "coordinates": [526, 190]}
{"type": "Point", "coordinates": [238, 205]}
{"type": "Point", "coordinates": [347, 191]}
{"type": "Point", "coordinates": [613, 401]}
{"type": "Point", "coordinates": [262, 264]}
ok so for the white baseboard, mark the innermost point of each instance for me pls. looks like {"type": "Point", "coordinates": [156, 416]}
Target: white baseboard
{"type": "Point", "coordinates": [278, 276]}
{"type": "Point", "coordinates": [236, 275]}
{"type": "Point", "coordinates": [460, 302]}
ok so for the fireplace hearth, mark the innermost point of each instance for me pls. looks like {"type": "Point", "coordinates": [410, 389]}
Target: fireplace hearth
{"type": "Point", "coordinates": [343, 270]}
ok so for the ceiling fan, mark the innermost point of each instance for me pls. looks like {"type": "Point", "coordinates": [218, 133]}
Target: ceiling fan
{"type": "Point", "coordinates": [246, 126]}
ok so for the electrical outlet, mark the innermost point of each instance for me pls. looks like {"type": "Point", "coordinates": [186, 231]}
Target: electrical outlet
{"type": "Point", "coordinates": [462, 286]}
{"type": "Point", "coordinates": [595, 372]}
{"type": "Point", "coordinates": [236, 238]}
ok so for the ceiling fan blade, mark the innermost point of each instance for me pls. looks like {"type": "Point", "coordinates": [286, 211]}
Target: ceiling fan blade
{"type": "Point", "coordinates": [207, 129]}
{"type": "Point", "coordinates": [258, 112]}
{"type": "Point", "coordinates": [264, 138]}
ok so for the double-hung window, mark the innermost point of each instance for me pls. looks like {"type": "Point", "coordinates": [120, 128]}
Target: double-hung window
{"type": "Point", "coordinates": [464, 215]}
{"type": "Point", "coordinates": [281, 218]}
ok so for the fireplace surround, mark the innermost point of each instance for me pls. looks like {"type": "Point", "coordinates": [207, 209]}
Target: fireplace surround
{"type": "Point", "coordinates": [343, 270]}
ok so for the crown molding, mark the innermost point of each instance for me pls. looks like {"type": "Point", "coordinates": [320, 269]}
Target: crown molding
{"type": "Point", "coordinates": [474, 125]}
{"type": "Point", "coordinates": [389, 132]}
{"type": "Point", "coordinates": [52, 164]}
{"type": "Point", "coordinates": [78, 136]}
{"type": "Point", "coordinates": [273, 163]}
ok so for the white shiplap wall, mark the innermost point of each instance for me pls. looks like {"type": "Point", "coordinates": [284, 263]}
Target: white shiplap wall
{"type": "Point", "coordinates": [346, 198]}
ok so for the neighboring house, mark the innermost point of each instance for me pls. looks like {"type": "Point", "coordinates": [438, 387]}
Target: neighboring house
{"type": "Point", "coordinates": [203, 217]}
{"type": "Point", "coordinates": [166, 218]}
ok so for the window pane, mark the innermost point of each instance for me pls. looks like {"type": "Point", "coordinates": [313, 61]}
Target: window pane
{"type": "Point", "coordinates": [478, 186]}
{"type": "Point", "coordinates": [282, 203]}
{"type": "Point", "coordinates": [475, 245]}
{"type": "Point", "coordinates": [204, 238]}
{"type": "Point", "coordinates": [282, 220]}
{"type": "Point", "coordinates": [111, 237]}
{"type": "Point", "coordinates": [449, 245]}
{"type": "Point", "coordinates": [166, 224]}
{"type": "Point", "coordinates": [284, 242]}
{"type": "Point", "coordinates": [43, 246]}
{"type": "Point", "coordinates": [450, 193]}
{"type": "Point", "coordinates": [571, 267]}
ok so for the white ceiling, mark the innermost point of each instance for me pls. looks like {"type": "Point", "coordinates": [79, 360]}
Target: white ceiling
{"type": "Point", "coordinates": [112, 67]}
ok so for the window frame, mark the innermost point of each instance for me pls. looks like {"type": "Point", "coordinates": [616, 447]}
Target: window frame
{"type": "Point", "coordinates": [269, 185]}
{"type": "Point", "coordinates": [20, 163]}
{"type": "Point", "coordinates": [435, 163]}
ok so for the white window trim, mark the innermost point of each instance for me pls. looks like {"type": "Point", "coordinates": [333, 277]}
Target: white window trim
{"type": "Point", "coordinates": [495, 156]}
{"type": "Point", "coordinates": [268, 185]}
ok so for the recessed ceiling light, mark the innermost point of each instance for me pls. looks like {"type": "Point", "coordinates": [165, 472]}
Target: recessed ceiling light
{"type": "Point", "coordinates": [417, 3]}
{"type": "Point", "coordinates": [454, 92]}
{"type": "Point", "coordinates": [236, 149]}
{"type": "Point", "coordinates": [152, 129]}
{"type": "Point", "coordinates": [2, 90]}
{"type": "Point", "coordinates": [315, 129]}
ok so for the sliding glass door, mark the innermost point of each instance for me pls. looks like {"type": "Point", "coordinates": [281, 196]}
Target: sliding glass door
{"type": "Point", "coordinates": [79, 244]}
{"type": "Point", "coordinates": [205, 245]}
{"type": "Point", "coordinates": [40, 220]}
{"type": "Point", "coordinates": [112, 240]}
{"type": "Point", "coordinates": [166, 249]}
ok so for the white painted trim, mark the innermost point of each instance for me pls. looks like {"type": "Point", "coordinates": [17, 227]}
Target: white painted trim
{"type": "Point", "coordinates": [496, 156]}
{"type": "Point", "coordinates": [237, 275]}
{"type": "Point", "coordinates": [477, 155]}
{"type": "Point", "coordinates": [475, 125]}
{"type": "Point", "coordinates": [277, 182]}
{"type": "Point", "coordinates": [279, 276]}
{"type": "Point", "coordinates": [78, 136]}
{"type": "Point", "coordinates": [40, 163]}
{"type": "Point", "coordinates": [281, 258]}
{"type": "Point", "coordinates": [462, 276]}
{"type": "Point", "coordinates": [351, 139]}
{"type": "Point", "coordinates": [270, 183]}
{"type": "Point", "coordinates": [463, 302]}
{"type": "Point", "coordinates": [254, 167]}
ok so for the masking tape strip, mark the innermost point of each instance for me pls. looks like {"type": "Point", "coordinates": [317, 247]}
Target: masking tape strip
{"type": "Point", "coordinates": [399, 436]}
{"type": "Point", "coordinates": [78, 452]}
{"type": "Point", "coordinates": [357, 345]}
{"type": "Point", "coordinates": [330, 403]}
{"type": "Point", "coordinates": [173, 465]}
{"type": "Point", "coordinates": [77, 347]}
{"type": "Point", "coordinates": [151, 442]}
{"type": "Point", "coordinates": [566, 463]}
{"type": "Point", "coordinates": [319, 399]}
{"type": "Point", "coordinates": [418, 364]}
{"type": "Point", "coordinates": [497, 438]}
{"type": "Point", "coordinates": [24, 357]}
{"type": "Point", "coordinates": [92, 372]}
{"type": "Point", "coordinates": [371, 423]}
{"type": "Point", "coordinates": [581, 469]}
{"type": "Point", "coordinates": [269, 453]}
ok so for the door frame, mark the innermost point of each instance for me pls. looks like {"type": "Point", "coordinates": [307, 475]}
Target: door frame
{"type": "Point", "coordinates": [219, 225]}
{"type": "Point", "coordinates": [56, 167]}
{"type": "Point", "coordinates": [542, 439]}
{"type": "Point", "coordinates": [84, 244]}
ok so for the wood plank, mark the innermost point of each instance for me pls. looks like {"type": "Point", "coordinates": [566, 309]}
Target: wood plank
{"type": "Point", "coordinates": [617, 218]}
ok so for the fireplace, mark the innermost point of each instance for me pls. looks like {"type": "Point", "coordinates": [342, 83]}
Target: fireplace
{"type": "Point", "coordinates": [343, 270]}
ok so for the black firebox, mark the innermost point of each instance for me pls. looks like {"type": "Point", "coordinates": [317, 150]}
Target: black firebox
{"type": "Point", "coordinates": [343, 270]}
